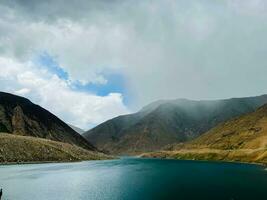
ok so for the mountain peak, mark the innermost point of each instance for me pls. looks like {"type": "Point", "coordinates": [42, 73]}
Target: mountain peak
{"type": "Point", "coordinates": [20, 116]}
{"type": "Point", "coordinates": [166, 122]}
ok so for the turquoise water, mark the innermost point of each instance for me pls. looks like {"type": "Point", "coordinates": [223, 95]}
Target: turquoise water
{"type": "Point", "coordinates": [134, 179]}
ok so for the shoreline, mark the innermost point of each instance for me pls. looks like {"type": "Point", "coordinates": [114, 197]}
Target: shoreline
{"type": "Point", "coordinates": [47, 162]}
{"type": "Point", "coordinates": [135, 157]}
{"type": "Point", "coordinates": [222, 161]}
{"type": "Point", "coordinates": [215, 161]}
{"type": "Point", "coordinates": [244, 156]}
{"type": "Point", "coordinates": [35, 162]}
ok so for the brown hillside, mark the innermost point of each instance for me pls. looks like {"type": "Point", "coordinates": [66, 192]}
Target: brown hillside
{"type": "Point", "coordinates": [242, 139]}
{"type": "Point", "coordinates": [23, 149]}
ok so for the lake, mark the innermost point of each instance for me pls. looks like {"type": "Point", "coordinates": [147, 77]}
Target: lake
{"type": "Point", "coordinates": [134, 179]}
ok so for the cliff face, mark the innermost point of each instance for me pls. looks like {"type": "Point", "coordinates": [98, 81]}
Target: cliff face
{"type": "Point", "coordinates": [20, 116]}
{"type": "Point", "coordinates": [18, 121]}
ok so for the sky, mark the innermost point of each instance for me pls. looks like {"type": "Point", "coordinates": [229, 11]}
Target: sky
{"type": "Point", "coordinates": [89, 61]}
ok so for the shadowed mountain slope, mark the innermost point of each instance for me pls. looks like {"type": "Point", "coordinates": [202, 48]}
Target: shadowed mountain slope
{"type": "Point", "coordinates": [167, 122]}
{"type": "Point", "coordinates": [20, 116]}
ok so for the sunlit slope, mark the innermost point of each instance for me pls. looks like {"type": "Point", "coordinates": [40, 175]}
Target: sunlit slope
{"type": "Point", "coordinates": [14, 148]}
{"type": "Point", "coordinates": [240, 139]}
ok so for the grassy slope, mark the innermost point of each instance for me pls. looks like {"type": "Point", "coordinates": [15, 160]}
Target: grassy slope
{"type": "Point", "coordinates": [243, 139]}
{"type": "Point", "coordinates": [14, 148]}
{"type": "Point", "coordinates": [243, 155]}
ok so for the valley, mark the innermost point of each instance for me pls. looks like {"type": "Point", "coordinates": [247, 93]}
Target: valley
{"type": "Point", "coordinates": [222, 130]}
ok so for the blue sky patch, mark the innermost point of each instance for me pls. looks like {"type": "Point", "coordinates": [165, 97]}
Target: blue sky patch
{"type": "Point", "coordinates": [115, 82]}
{"type": "Point", "coordinates": [50, 63]}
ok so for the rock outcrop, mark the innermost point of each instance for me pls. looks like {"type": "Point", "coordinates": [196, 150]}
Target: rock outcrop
{"type": "Point", "coordinates": [20, 116]}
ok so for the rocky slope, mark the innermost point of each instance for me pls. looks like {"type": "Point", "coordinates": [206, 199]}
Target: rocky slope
{"type": "Point", "coordinates": [23, 149]}
{"type": "Point", "coordinates": [241, 139]}
{"type": "Point", "coordinates": [20, 116]}
{"type": "Point", "coordinates": [167, 122]}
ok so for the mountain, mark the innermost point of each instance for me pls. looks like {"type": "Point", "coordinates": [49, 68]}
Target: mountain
{"type": "Point", "coordinates": [20, 116]}
{"type": "Point", "coordinates": [25, 149]}
{"type": "Point", "coordinates": [241, 139]}
{"type": "Point", "coordinates": [245, 132]}
{"type": "Point", "coordinates": [78, 130]}
{"type": "Point", "coordinates": [167, 122]}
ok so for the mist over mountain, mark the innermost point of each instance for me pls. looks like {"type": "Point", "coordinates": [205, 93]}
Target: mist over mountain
{"type": "Point", "coordinates": [19, 116]}
{"type": "Point", "coordinates": [248, 131]}
{"type": "Point", "coordinates": [167, 122]}
{"type": "Point", "coordinates": [243, 139]}
{"type": "Point", "coordinates": [77, 129]}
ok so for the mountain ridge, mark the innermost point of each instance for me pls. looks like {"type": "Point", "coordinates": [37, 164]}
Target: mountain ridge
{"type": "Point", "coordinates": [77, 129]}
{"type": "Point", "coordinates": [167, 122]}
{"type": "Point", "coordinates": [19, 116]}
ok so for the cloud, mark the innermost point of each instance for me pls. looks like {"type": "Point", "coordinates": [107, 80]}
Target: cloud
{"type": "Point", "coordinates": [248, 7]}
{"type": "Point", "coordinates": [23, 91]}
{"type": "Point", "coordinates": [48, 90]}
{"type": "Point", "coordinates": [164, 49]}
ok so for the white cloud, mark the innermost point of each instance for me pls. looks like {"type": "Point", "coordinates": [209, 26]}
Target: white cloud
{"type": "Point", "coordinates": [249, 7]}
{"type": "Point", "coordinates": [84, 50]}
{"type": "Point", "coordinates": [164, 49]}
{"type": "Point", "coordinates": [23, 91]}
{"type": "Point", "coordinates": [51, 92]}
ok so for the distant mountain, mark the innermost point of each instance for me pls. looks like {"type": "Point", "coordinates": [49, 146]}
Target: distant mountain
{"type": "Point", "coordinates": [20, 116]}
{"type": "Point", "coordinates": [241, 139]}
{"type": "Point", "coordinates": [167, 122]}
{"type": "Point", "coordinates": [78, 130]}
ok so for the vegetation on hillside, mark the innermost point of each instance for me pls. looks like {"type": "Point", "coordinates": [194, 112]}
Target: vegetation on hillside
{"type": "Point", "coordinates": [23, 149]}
{"type": "Point", "coordinates": [242, 139]}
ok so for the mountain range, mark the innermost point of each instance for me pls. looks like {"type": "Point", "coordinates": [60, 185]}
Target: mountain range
{"type": "Point", "coordinates": [231, 129]}
{"type": "Point", "coordinates": [167, 122]}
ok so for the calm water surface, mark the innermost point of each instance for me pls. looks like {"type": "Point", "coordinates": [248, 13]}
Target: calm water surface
{"type": "Point", "coordinates": [134, 179]}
